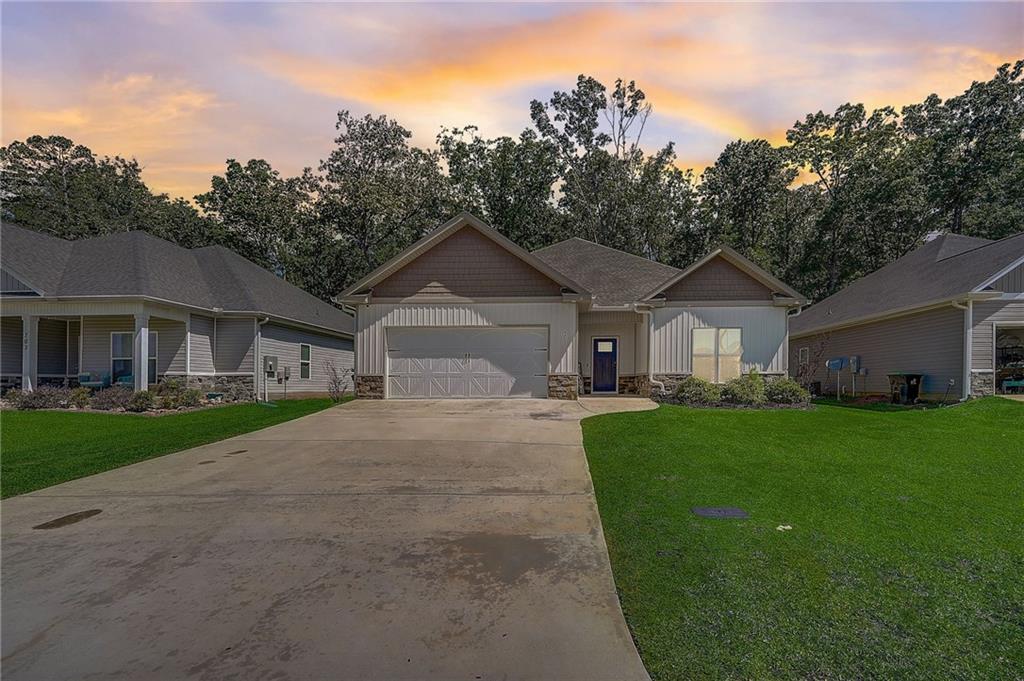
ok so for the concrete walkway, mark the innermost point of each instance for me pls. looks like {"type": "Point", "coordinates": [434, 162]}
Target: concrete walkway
{"type": "Point", "coordinates": [399, 540]}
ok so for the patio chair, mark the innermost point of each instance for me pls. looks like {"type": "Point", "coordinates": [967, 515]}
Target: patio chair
{"type": "Point", "coordinates": [92, 381]}
{"type": "Point", "coordinates": [126, 381]}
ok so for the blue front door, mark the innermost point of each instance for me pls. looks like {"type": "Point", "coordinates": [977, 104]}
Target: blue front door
{"type": "Point", "coordinates": [606, 360]}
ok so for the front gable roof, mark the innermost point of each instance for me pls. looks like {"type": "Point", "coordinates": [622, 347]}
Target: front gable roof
{"type": "Point", "coordinates": [741, 263]}
{"type": "Point", "coordinates": [463, 220]}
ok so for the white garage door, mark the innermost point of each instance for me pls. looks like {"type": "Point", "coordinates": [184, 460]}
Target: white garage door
{"type": "Point", "coordinates": [467, 362]}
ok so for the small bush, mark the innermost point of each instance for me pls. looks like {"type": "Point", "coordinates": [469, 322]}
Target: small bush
{"type": "Point", "coordinates": [166, 402]}
{"type": "Point", "coordinates": [694, 390]}
{"type": "Point", "coordinates": [237, 392]}
{"type": "Point", "coordinates": [190, 398]}
{"type": "Point", "coordinates": [114, 397]}
{"type": "Point", "coordinates": [80, 397]}
{"type": "Point", "coordinates": [170, 387]}
{"type": "Point", "coordinates": [749, 390]}
{"type": "Point", "coordinates": [43, 397]}
{"type": "Point", "coordinates": [787, 391]}
{"type": "Point", "coordinates": [338, 381]}
{"type": "Point", "coordinates": [140, 401]}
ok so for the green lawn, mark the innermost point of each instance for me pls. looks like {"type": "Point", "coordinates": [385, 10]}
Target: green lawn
{"type": "Point", "coordinates": [905, 558]}
{"type": "Point", "coordinates": [43, 448]}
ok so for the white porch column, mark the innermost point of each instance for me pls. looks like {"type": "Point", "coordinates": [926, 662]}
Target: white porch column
{"type": "Point", "coordinates": [29, 351]}
{"type": "Point", "coordinates": [140, 353]}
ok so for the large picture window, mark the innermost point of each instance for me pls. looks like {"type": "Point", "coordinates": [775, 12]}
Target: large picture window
{"type": "Point", "coordinates": [717, 354]}
{"type": "Point", "coordinates": [121, 355]}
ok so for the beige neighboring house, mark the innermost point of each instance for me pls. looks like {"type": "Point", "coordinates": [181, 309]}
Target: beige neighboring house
{"type": "Point", "coordinates": [464, 312]}
{"type": "Point", "coordinates": [952, 310]}
{"type": "Point", "coordinates": [133, 309]}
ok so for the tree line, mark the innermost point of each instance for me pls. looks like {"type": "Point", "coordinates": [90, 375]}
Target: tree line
{"type": "Point", "coordinates": [849, 192]}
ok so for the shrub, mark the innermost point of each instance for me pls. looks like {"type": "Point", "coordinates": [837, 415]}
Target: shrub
{"type": "Point", "coordinates": [747, 389]}
{"type": "Point", "coordinates": [43, 397]}
{"type": "Point", "coordinates": [237, 392]}
{"type": "Point", "coordinates": [140, 401]}
{"type": "Point", "coordinates": [337, 381]}
{"type": "Point", "coordinates": [114, 397]}
{"type": "Point", "coordinates": [694, 390]}
{"type": "Point", "coordinates": [80, 397]}
{"type": "Point", "coordinates": [190, 398]}
{"type": "Point", "coordinates": [170, 387]}
{"type": "Point", "coordinates": [167, 402]}
{"type": "Point", "coordinates": [787, 391]}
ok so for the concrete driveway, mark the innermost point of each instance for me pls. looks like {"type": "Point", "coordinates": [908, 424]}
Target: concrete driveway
{"type": "Point", "coordinates": [399, 540]}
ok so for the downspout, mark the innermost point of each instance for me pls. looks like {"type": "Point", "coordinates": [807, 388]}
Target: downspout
{"type": "Point", "coordinates": [650, 348]}
{"type": "Point", "coordinates": [259, 357]}
{"type": "Point", "coordinates": [968, 343]}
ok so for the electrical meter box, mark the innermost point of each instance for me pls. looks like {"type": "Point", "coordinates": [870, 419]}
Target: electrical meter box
{"type": "Point", "coordinates": [269, 364]}
{"type": "Point", "coordinates": [287, 373]}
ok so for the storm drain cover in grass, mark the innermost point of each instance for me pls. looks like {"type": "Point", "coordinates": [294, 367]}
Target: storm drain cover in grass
{"type": "Point", "coordinates": [720, 512]}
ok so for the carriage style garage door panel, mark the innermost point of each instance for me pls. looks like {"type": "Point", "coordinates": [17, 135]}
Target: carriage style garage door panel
{"type": "Point", "coordinates": [467, 362]}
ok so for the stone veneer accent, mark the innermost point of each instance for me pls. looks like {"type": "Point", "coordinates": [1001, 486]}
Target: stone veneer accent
{"type": "Point", "coordinates": [235, 388]}
{"type": "Point", "coordinates": [370, 387]}
{"type": "Point", "coordinates": [982, 383]}
{"type": "Point", "coordinates": [670, 381]}
{"type": "Point", "coordinates": [563, 386]}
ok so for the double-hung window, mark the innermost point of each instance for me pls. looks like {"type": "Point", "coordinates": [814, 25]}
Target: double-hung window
{"type": "Point", "coordinates": [717, 353]}
{"type": "Point", "coordinates": [121, 352]}
{"type": "Point", "coordinates": [804, 356]}
{"type": "Point", "coordinates": [305, 357]}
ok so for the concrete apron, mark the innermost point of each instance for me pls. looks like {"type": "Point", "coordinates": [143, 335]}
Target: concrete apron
{"type": "Point", "coordinates": [379, 540]}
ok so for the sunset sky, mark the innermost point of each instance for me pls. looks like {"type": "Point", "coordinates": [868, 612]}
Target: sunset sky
{"type": "Point", "coordinates": [182, 87]}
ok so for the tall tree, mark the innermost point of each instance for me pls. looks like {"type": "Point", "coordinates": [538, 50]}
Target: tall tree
{"type": "Point", "coordinates": [377, 192]}
{"type": "Point", "coordinates": [507, 182]}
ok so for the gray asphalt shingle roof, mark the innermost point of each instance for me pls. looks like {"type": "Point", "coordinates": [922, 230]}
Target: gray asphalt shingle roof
{"type": "Point", "coordinates": [613, 276]}
{"type": "Point", "coordinates": [943, 268]}
{"type": "Point", "coordinates": [139, 264]}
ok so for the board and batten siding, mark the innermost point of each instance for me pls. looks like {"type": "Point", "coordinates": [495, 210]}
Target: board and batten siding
{"type": "Point", "coordinates": [74, 346]}
{"type": "Point", "coordinates": [96, 341]}
{"type": "Point", "coordinates": [763, 336]}
{"type": "Point", "coordinates": [201, 344]}
{"type": "Point", "coordinates": [170, 342]}
{"type": "Point", "coordinates": [283, 342]}
{"type": "Point", "coordinates": [374, 319]}
{"type": "Point", "coordinates": [11, 284]}
{"type": "Point", "coordinates": [10, 346]}
{"type": "Point", "coordinates": [1011, 282]}
{"type": "Point", "coordinates": [986, 315]}
{"type": "Point", "coordinates": [929, 342]}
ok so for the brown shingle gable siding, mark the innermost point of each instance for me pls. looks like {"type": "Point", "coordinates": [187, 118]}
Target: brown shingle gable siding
{"type": "Point", "coordinates": [467, 265]}
{"type": "Point", "coordinates": [718, 279]}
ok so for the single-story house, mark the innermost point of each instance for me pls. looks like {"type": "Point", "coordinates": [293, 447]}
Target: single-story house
{"type": "Point", "coordinates": [464, 312]}
{"type": "Point", "coordinates": [952, 310]}
{"type": "Point", "coordinates": [134, 309]}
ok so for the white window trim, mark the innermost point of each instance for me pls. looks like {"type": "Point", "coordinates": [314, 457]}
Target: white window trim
{"type": "Point", "coordinates": [804, 356]}
{"type": "Point", "coordinates": [308, 362]}
{"type": "Point", "coordinates": [154, 346]}
{"type": "Point", "coordinates": [717, 354]}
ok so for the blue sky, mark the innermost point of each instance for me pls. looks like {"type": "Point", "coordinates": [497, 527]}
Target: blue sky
{"type": "Point", "coordinates": [184, 86]}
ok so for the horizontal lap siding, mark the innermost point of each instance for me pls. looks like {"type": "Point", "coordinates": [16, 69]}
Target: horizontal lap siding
{"type": "Point", "coordinates": [52, 358]}
{"type": "Point", "coordinates": [985, 314]}
{"type": "Point", "coordinates": [929, 342]}
{"type": "Point", "coordinates": [10, 346]}
{"type": "Point", "coordinates": [96, 341]}
{"type": "Point", "coordinates": [234, 341]}
{"type": "Point", "coordinates": [374, 319]}
{"type": "Point", "coordinates": [283, 342]}
{"type": "Point", "coordinates": [763, 336]}
{"type": "Point", "coordinates": [170, 341]}
{"type": "Point", "coordinates": [622, 325]}
{"type": "Point", "coordinates": [201, 345]}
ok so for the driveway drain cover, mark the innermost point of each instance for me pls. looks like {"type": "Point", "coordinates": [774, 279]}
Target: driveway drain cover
{"type": "Point", "coordinates": [67, 519]}
{"type": "Point", "coordinates": [720, 512]}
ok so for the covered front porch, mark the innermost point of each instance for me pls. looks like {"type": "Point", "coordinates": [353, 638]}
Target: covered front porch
{"type": "Point", "coordinates": [98, 345]}
{"type": "Point", "coordinates": [613, 353]}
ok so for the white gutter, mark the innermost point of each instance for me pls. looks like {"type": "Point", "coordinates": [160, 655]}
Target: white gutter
{"type": "Point", "coordinates": [650, 348]}
{"type": "Point", "coordinates": [259, 356]}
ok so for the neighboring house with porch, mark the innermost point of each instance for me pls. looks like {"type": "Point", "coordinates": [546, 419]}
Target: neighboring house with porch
{"type": "Point", "coordinates": [134, 309]}
{"type": "Point", "coordinates": [464, 312]}
{"type": "Point", "coordinates": [952, 310]}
